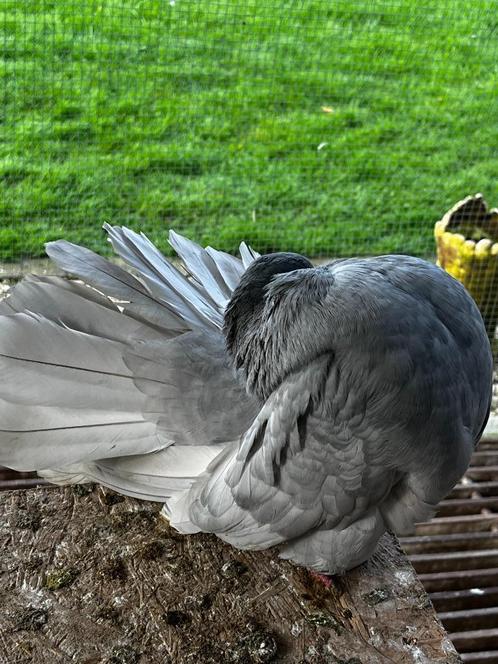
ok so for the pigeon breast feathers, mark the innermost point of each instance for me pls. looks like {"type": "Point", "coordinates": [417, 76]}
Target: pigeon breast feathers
{"type": "Point", "coordinates": [352, 361]}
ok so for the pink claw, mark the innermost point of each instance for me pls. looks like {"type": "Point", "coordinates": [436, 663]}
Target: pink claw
{"type": "Point", "coordinates": [323, 578]}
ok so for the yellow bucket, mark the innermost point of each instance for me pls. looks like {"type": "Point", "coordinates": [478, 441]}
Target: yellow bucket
{"type": "Point", "coordinates": [467, 248]}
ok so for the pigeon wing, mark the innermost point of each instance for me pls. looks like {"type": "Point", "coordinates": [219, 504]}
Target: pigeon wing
{"type": "Point", "coordinates": [380, 379]}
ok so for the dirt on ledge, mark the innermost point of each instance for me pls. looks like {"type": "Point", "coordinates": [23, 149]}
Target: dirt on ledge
{"type": "Point", "coordinates": [91, 577]}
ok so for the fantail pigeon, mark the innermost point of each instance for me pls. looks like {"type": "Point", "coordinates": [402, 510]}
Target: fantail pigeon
{"type": "Point", "coordinates": [265, 400]}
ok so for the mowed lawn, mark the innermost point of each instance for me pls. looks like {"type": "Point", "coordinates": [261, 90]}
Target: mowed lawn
{"type": "Point", "coordinates": [326, 127]}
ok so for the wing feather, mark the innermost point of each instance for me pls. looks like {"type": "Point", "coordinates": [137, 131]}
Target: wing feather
{"type": "Point", "coordinates": [248, 498]}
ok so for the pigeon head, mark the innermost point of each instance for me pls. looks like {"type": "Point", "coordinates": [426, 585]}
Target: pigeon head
{"type": "Point", "coordinates": [244, 310]}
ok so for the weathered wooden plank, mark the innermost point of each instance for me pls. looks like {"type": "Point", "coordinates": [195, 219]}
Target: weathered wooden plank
{"type": "Point", "coordinates": [466, 490]}
{"type": "Point", "coordinates": [12, 484]}
{"type": "Point", "coordinates": [485, 458]}
{"type": "Point", "coordinates": [10, 479]}
{"type": "Point", "coordinates": [458, 600]}
{"type": "Point", "coordinates": [7, 473]}
{"type": "Point", "coordinates": [488, 657]}
{"type": "Point", "coordinates": [488, 443]}
{"type": "Point", "coordinates": [461, 506]}
{"type": "Point", "coordinates": [99, 578]}
{"type": "Point", "coordinates": [461, 524]}
{"type": "Point", "coordinates": [481, 473]}
{"type": "Point", "coordinates": [470, 619]}
{"type": "Point", "coordinates": [456, 555]}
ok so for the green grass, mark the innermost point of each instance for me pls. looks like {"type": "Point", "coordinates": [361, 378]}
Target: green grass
{"type": "Point", "coordinates": [206, 116]}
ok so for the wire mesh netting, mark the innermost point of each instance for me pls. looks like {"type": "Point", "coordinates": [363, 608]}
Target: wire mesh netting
{"type": "Point", "coordinates": [327, 127]}
{"type": "Point", "coordinates": [330, 128]}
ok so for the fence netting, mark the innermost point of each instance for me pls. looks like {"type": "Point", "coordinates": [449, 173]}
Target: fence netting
{"type": "Point", "coordinates": [326, 127]}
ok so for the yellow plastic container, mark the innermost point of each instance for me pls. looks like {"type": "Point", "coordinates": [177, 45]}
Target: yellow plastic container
{"type": "Point", "coordinates": [467, 248]}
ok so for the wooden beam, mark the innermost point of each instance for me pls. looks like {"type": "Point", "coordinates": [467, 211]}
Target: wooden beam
{"type": "Point", "coordinates": [461, 506]}
{"type": "Point", "coordinates": [456, 555]}
{"type": "Point", "coordinates": [486, 473]}
{"type": "Point", "coordinates": [456, 542]}
{"type": "Point", "coordinates": [10, 479]}
{"type": "Point", "coordinates": [454, 560]}
{"type": "Point", "coordinates": [94, 577]}
{"type": "Point", "coordinates": [481, 639]}
{"type": "Point", "coordinates": [11, 484]}
{"type": "Point", "coordinates": [466, 490]}
{"type": "Point", "coordinates": [485, 458]}
{"type": "Point", "coordinates": [488, 444]}
{"type": "Point", "coordinates": [488, 657]}
{"type": "Point", "coordinates": [461, 524]}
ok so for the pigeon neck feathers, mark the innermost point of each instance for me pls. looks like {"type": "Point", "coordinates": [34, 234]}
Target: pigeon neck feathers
{"type": "Point", "coordinates": [243, 314]}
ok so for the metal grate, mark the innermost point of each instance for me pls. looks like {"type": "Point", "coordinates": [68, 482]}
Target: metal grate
{"type": "Point", "coordinates": [456, 557]}
{"type": "Point", "coordinates": [10, 479]}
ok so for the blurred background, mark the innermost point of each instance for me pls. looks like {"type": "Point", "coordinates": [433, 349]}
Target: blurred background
{"type": "Point", "coordinates": [326, 127]}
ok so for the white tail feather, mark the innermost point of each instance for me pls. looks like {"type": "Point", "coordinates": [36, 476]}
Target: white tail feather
{"type": "Point", "coordinates": [229, 267]}
{"type": "Point", "coordinates": [202, 268]}
{"type": "Point", "coordinates": [247, 254]}
{"type": "Point", "coordinates": [156, 476]}
{"type": "Point", "coordinates": [163, 279]}
{"type": "Point", "coordinates": [76, 375]}
{"type": "Point", "coordinates": [66, 397]}
{"type": "Point", "coordinates": [114, 282]}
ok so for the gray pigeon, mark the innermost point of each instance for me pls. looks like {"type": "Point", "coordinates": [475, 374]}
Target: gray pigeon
{"type": "Point", "coordinates": [265, 400]}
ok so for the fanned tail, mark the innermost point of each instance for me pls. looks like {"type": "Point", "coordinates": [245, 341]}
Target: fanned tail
{"type": "Point", "coordinates": [66, 396]}
{"type": "Point", "coordinates": [164, 280]}
{"type": "Point", "coordinates": [81, 395]}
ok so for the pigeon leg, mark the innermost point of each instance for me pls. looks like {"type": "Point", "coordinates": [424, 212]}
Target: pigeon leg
{"type": "Point", "coordinates": [324, 579]}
